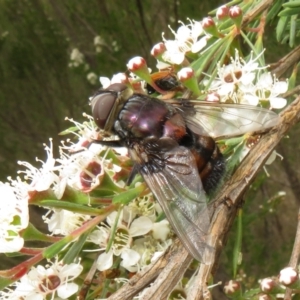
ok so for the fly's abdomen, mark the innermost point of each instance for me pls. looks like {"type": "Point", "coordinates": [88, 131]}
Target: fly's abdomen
{"type": "Point", "coordinates": [210, 161]}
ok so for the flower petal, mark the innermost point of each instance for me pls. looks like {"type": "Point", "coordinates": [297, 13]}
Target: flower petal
{"type": "Point", "coordinates": [66, 290]}
{"type": "Point", "coordinates": [105, 261]}
{"type": "Point", "coordinates": [278, 102]}
{"type": "Point", "coordinates": [140, 226]}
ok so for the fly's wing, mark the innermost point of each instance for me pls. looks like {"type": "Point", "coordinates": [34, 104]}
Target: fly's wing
{"type": "Point", "coordinates": [221, 120]}
{"type": "Point", "coordinates": [179, 191]}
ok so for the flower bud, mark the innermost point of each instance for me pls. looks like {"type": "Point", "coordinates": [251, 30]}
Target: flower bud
{"type": "Point", "coordinates": [138, 66]}
{"type": "Point", "coordinates": [188, 79]}
{"type": "Point", "coordinates": [222, 13]}
{"type": "Point", "coordinates": [289, 277]}
{"type": "Point", "coordinates": [158, 50]}
{"type": "Point", "coordinates": [208, 24]}
{"type": "Point", "coordinates": [232, 287]}
{"type": "Point", "coordinates": [270, 286]}
{"type": "Point", "coordinates": [236, 14]}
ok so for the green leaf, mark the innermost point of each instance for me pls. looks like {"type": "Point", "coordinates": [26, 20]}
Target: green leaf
{"type": "Point", "coordinates": [128, 196]}
{"type": "Point", "coordinates": [274, 10]}
{"type": "Point", "coordinates": [289, 12]}
{"type": "Point", "coordinates": [31, 233]}
{"type": "Point", "coordinates": [113, 230]}
{"type": "Point", "coordinates": [210, 56]}
{"type": "Point", "coordinates": [75, 249]}
{"type": "Point", "coordinates": [234, 141]}
{"type": "Point", "coordinates": [74, 207]}
{"type": "Point", "coordinates": [75, 196]}
{"type": "Point", "coordinates": [235, 157]}
{"type": "Point", "coordinates": [56, 248]}
{"type": "Point", "coordinates": [293, 28]}
{"type": "Point", "coordinates": [281, 27]}
{"type": "Point", "coordinates": [4, 282]}
{"type": "Point", "coordinates": [108, 184]}
{"type": "Point", "coordinates": [291, 4]}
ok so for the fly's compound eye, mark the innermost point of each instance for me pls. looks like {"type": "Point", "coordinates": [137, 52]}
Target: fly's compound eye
{"type": "Point", "coordinates": [102, 106]}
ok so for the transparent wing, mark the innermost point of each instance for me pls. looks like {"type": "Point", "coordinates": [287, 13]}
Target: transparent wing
{"type": "Point", "coordinates": [221, 120]}
{"type": "Point", "coordinates": [179, 191]}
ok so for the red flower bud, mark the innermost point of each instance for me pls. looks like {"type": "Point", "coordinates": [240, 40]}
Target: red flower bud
{"type": "Point", "coordinates": [222, 12]}
{"type": "Point", "coordinates": [235, 12]}
{"type": "Point", "coordinates": [158, 49]}
{"type": "Point", "coordinates": [136, 64]}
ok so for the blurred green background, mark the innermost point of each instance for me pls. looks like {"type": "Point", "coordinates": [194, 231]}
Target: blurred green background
{"type": "Point", "coordinates": [39, 88]}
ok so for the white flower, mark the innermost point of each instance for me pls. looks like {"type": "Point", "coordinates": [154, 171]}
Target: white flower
{"type": "Point", "coordinates": [86, 133]}
{"type": "Point", "coordinates": [186, 40]}
{"type": "Point", "coordinates": [267, 89]}
{"type": "Point", "coordinates": [117, 78]}
{"type": "Point", "coordinates": [63, 221]}
{"type": "Point", "coordinates": [99, 42]}
{"type": "Point", "coordinates": [145, 206]}
{"type": "Point", "coordinates": [13, 218]}
{"type": "Point", "coordinates": [161, 230]}
{"type": "Point", "coordinates": [127, 229]}
{"type": "Point", "coordinates": [149, 249]}
{"type": "Point", "coordinates": [43, 178]}
{"type": "Point", "coordinates": [237, 73]}
{"type": "Point", "coordinates": [92, 77]}
{"type": "Point", "coordinates": [82, 170]}
{"type": "Point", "coordinates": [41, 282]}
{"type": "Point", "coordinates": [76, 58]}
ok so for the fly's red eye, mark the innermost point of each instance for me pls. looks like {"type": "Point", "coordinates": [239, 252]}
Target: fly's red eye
{"type": "Point", "coordinates": [102, 105]}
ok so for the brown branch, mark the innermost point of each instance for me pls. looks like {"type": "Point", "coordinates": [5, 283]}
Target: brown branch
{"type": "Point", "coordinates": [285, 63]}
{"type": "Point", "coordinates": [176, 257]}
{"type": "Point", "coordinates": [257, 10]}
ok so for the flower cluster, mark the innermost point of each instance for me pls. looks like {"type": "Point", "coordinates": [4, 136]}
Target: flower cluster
{"type": "Point", "coordinates": [42, 282]}
{"type": "Point", "coordinates": [247, 82]}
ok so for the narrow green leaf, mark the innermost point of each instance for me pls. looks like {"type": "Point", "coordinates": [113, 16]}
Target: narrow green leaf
{"type": "Point", "coordinates": [289, 12]}
{"type": "Point", "coordinates": [274, 10]}
{"type": "Point", "coordinates": [113, 230]}
{"type": "Point", "coordinates": [293, 28]}
{"type": "Point", "coordinates": [291, 4]}
{"type": "Point", "coordinates": [236, 156]}
{"type": "Point", "coordinates": [281, 27]}
{"type": "Point", "coordinates": [75, 249]}
{"type": "Point", "coordinates": [234, 141]}
{"type": "Point", "coordinates": [128, 196]}
{"type": "Point", "coordinates": [74, 207]}
{"type": "Point", "coordinates": [57, 247]}
{"type": "Point", "coordinates": [208, 56]}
